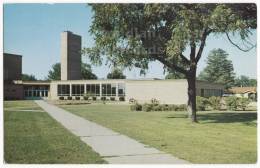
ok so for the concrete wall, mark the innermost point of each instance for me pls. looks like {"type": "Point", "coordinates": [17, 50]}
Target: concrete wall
{"type": "Point", "coordinates": [166, 91]}
{"type": "Point", "coordinates": [12, 66]}
{"type": "Point", "coordinates": [70, 56]}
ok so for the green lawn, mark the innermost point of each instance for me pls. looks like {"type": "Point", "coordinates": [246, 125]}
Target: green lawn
{"type": "Point", "coordinates": [219, 137]}
{"type": "Point", "coordinates": [34, 137]}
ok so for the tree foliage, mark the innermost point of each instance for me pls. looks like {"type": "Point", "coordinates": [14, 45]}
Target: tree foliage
{"type": "Point", "coordinates": [26, 77]}
{"type": "Point", "coordinates": [219, 69]}
{"type": "Point", "coordinates": [135, 34]}
{"type": "Point", "coordinates": [116, 74]}
{"type": "Point", "coordinates": [175, 75]}
{"type": "Point", "coordinates": [54, 73]}
{"type": "Point", "coordinates": [245, 81]}
{"type": "Point", "coordinates": [86, 72]}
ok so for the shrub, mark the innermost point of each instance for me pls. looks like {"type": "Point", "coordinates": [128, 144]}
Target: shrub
{"type": "Point", "coordinates": [182, 107]}
{"type": "Point", "coordinates": [147, 107]}
{"type": "Point", "coordinates": [136, 107]}
{"type": "Point", "coordinates": [215, 102]}
{"type": "Point", "coordinates": [61, 98]}
{"type": "Point", "coordinates": [165, 107]}
{"type": "Point", "coordinates": [173, 107]}
{"type": "Point", "coordinates": [121, 98]}
{"type": "Point", "coordinates": [232, 102]}
{"type": "Point", "coordinates": [132, 100]}
{"type": "Point", "coordinates": [77, 98]}
{"type": "Point", "coordinates": [85, 97]}
{"type": "Point", "coordinates": [112, 98]}
{"type": "Point", "coordinates": [103, 98]}
{"type": "Point", "coordinates": [157, 107]}
{"type": "Point", "coordinates": [201, 103]}
{"type": "Point", "coordinates": [243, 103]}
{"type": "Point", "coordinates": [94, 98]}
{"type": "Point", "coordinates": [69, 98]}
{"type": "Point", "coordinates": [154, 101]}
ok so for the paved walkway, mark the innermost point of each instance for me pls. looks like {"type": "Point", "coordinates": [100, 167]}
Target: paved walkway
{"type": "Point", "coordinates": [112, 146]}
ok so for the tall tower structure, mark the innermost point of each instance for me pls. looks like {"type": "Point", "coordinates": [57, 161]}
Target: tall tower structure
{"type": "Point", "coordinates": [70, 56]}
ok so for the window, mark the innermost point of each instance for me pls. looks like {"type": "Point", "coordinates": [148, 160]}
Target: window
{"type": "Point", "coordinates": [93, 89]}
{"type": "Point", "coordinates": [121, 89]}
{"type": "Point", "coordinates": [77, 90]}
{"type": "Point", "coordinates": [202, 92]}
{"type": "Point", "coordinates": [211, 92]}
{"type": "Point", "coordinates": [63, 90]}
{"type": "Point", "coordinates": [107, 89]}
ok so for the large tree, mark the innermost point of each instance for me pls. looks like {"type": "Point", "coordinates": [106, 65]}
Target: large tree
{"type": "Point", "coordinates": [135, 34]}
{"type": "Point", "coordinates": [86, 72]}
{"type": "Point", "coordinates": [116, 74]}
{"type": "Point", "coordinates": [219, 69]}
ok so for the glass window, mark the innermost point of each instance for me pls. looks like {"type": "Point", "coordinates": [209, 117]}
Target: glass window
{"type": "Point", "coordinates": [63, 90]}
{"type": "Point", "coordinates": [121, 89]}
{"type": "Point", "coordinates": [113, 89]}
{"type": "Point", "coordinates": [77, 90]}
{"type": "Point", "coordinates": [97, 90]}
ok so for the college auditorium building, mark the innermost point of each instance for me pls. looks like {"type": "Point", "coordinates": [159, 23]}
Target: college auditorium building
{"type": "Point", "coordinates": [71, 86]}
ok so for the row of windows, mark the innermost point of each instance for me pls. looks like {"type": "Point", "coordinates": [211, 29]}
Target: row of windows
{"type": "Point", "coordinates": [211, 92]}
{"type": "Point", "coordinates": [36, 93]}
{"type": "Point", "coordinates": [91, 89]}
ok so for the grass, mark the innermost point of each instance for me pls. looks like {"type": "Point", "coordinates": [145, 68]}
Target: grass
{"type": "Point", "coordinates": [34, 137]}
{"type": "Point", "coordinates": [219, 137]}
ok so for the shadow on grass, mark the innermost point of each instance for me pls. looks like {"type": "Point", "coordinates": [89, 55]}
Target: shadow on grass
{"type": "Point", "coordinates": [224, 117]}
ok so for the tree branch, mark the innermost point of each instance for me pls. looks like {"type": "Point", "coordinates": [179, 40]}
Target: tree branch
{"type": "Point", "coordinates": [185, 59]}
{"type": "Point", "coordinates": [172, 66]}
{"type": "Point", "coordinates": [202, 44]}
{"type": "Point", "coordinates": [245, 50]}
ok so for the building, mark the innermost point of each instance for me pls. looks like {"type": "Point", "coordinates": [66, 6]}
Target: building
{"type": "Point", "coordinates": [70, 56]}
{"type": "Point", "coordinates": [166, 91]}
{"type": "Point", "coordinates": [12, 67]}
{"type": "Point", "coordinates": [12, 71]}
{"type": "Point", "coordinates": [247, 92]}
{"type": "Point", "coordinates": [72, 87]}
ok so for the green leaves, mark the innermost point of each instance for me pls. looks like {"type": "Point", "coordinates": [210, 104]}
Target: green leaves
{"type": "Point", "coordinates": [120, 31]}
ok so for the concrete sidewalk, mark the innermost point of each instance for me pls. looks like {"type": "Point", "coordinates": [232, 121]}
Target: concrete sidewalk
{"type": "Point", "coordinates": [112, 146]}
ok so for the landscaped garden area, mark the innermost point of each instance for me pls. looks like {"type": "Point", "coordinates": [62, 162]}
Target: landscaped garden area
{"type": "Point", "coordinates": [32, 136]}
{"type": "Point", "coordinates": [219, 137]}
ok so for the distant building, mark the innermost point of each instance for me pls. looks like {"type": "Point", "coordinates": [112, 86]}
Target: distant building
{"type": "Point", "coordinates": [247, 92]}
{"type": "Point", "coordinates": [70, 56]}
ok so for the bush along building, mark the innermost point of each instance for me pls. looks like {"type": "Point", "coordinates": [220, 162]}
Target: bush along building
{"type": "Point", "coordinates": [71, 87]}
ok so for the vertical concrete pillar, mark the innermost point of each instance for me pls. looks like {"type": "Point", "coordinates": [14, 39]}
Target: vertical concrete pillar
{"type": "Point", "coordinates": [70, 89]}
{"type": "Point", "coordinates": [116, 89]}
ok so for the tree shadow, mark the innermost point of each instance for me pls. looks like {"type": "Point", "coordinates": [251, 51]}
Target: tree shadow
{"type": "Point", "coordinates": [223, 117]}
{"type": "Point", "coordinates": [230, 117]}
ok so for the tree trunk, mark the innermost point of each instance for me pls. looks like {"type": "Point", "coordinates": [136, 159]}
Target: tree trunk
{"type": "Point", "coordinates": [191, 78]}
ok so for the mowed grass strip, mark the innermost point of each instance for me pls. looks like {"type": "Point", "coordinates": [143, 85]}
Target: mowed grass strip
{"type": "Point", "coordinates": [219, 137]}
{"type": "Point", "coordinates": [34, 137]}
